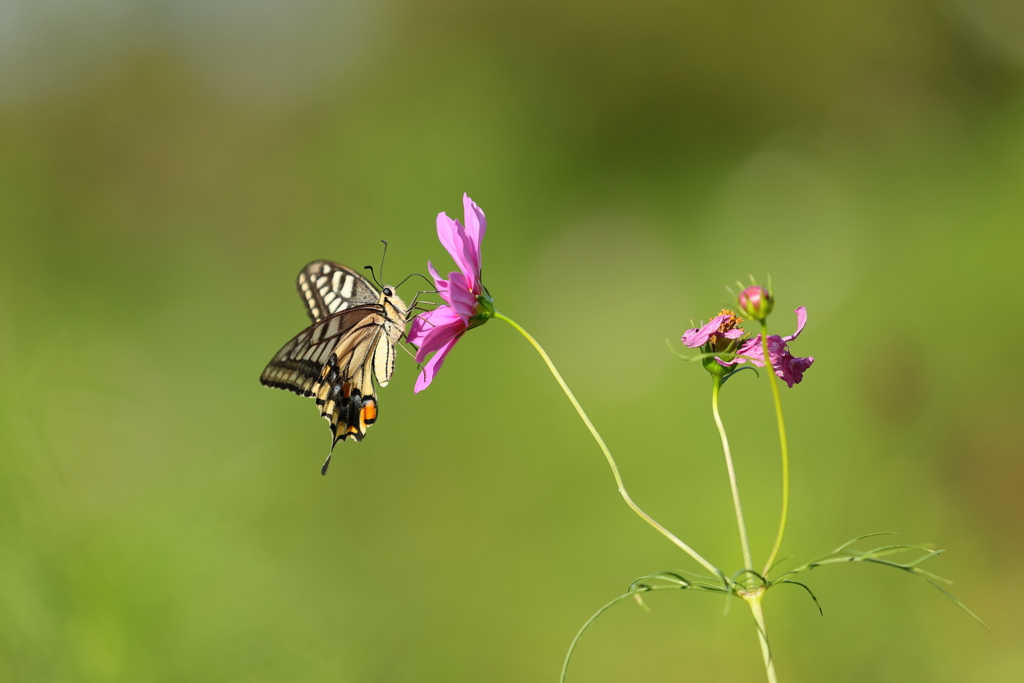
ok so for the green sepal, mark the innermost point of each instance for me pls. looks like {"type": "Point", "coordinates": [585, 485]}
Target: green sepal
{"type": "Point", "coordinates": [484, 310]}
{"type": "Point", "coordinates": [714, 367]}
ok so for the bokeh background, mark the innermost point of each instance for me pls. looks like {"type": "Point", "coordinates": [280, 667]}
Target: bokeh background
{"type": "Point", "coordinates": [166, 168]}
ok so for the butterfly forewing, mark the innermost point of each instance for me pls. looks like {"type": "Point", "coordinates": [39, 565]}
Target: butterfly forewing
{"type": "Point", "coordinates": [328, 287]}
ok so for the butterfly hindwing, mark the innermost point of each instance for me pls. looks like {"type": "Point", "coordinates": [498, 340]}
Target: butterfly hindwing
{"type": "Point", "coordinates": [344, 391]}
{"type": "Point", "coordinates": [299, 365]}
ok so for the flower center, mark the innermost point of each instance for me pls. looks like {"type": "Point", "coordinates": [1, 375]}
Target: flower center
{"type": "Point", "coordinates": [732, 322]}
{"type": "Point", "coordinates": [718, 340]}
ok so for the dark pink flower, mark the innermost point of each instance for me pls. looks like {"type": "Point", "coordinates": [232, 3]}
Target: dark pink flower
{"type": "Point", "coordinates": [787, 366]}
{"type": "Point", "coordinates": [718, 333]}
{"type": "Point", "coordinates": [467, 303]}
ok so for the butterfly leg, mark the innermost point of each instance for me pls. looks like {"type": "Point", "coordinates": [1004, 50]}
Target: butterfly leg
{"type": "Point", "coordinates": [416, 299]}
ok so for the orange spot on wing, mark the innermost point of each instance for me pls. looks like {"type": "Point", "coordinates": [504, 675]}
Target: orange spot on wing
{"type": "Point", "coordinates": [369, 412]}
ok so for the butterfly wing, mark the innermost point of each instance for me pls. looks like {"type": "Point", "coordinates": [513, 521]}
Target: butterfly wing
{"type": "Point", "coordinates": [327, 288]}
{"type": "Point", "coordinates": [332, 361]}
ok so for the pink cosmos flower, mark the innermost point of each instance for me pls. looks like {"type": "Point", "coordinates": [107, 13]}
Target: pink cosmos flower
{"type": "Point", "coordinates": [718, 333]}
{"type": "Point", "coordinates": [467, 303]}
{"type": "Point", "coordinates": [787, 366]}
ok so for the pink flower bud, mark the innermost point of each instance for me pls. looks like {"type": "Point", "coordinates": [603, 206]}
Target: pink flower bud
{"type": "Point", "coordinates": [755, 302]}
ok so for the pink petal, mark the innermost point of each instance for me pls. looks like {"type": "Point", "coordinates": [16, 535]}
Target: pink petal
{"type": "Point", "coordinates": [432, 330]}
{"type": "Point", "coordinates": [476, 226]}
{"type": "Point", "coordinates": [453, 237]}
{"type": "Point", "coordinates": [791, 369]}
{"type": "Point", "coordinates": [754, 349]}
{"type": "Point", "coordinates": [699, 336]}
{"type": "Point", "coordinates": [751, 350]}
{"type": "Point", "coordinates": [421, 326]}
{"type": "Point", "coordinates": [429, 324]}
{"type": "Point", "coordinates": [447, 233]}
{"type": "Point", "coordinates": [430, 370]}
{"type": "Point", "coordinates": [798, 366]}
{"type": "Point", "coordinates": [801, 320]}
{"type": "Point", "coordinates": [461, 298]}
{"type": "Point", "coordinates": [442, 285]}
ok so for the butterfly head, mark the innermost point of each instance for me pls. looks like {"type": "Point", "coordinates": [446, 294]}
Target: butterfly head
{"type": "Point", "coordinates": [389, 299]}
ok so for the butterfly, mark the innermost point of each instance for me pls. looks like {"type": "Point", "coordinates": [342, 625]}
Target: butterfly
{"type": "Point", "coordinates": [351, 342]}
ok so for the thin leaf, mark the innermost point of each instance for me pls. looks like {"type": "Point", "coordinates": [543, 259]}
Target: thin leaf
{"type": "Point", "coordinates": [738, 370]}
{"type": "Point", "coordinates": [586, 625]}
{"type": "Point", "coordinates": [861, 538]}
{"type": "Point", "coordinates": [740, 572]}
{"type": "Point", "coordinates": [891, 550]}
{"type": "Point", "coordinates": [679, 581]}
{"type": "Point", "coordinates": [668, 342]}
{"type": "Point", "coordinates": [874, 556]}
{"type": "Point", "coordinates": [921, 559]}
{"type": "Point", "coordinates": [779, 561]}
{"type": "Point", "coordinates": [957, 603]}
{"type": "Point", "coordinates": [592, 619]}
{"type": "Point", "coordinates": [809, 592]}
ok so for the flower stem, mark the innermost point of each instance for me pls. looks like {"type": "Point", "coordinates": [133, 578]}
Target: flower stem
{"type": "Point", "coordinates": [773, 381]}
{"type": "Point", "coordinates": [608, 454]}
{"type": "Point", "coordinates": [716, 386]}
{"type": "Point", "coordinates": [762, 636]}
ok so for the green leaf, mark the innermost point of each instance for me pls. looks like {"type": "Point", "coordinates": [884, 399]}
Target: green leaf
{"type": "Point", "coordinates": [809, 592]}
{"type": "Point", "coordinates": [846, 554]}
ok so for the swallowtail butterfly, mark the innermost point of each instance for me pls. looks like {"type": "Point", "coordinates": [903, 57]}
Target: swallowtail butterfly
{"type": "Point", "coordinates": [352, 340]}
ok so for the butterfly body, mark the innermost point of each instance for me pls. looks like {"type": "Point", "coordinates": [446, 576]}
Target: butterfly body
{"type": "Point", "coordinates": [350, 343]}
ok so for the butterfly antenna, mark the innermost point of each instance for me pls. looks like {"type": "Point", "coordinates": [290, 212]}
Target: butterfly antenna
{"type": "Point", "coordinates": [327, 462]}
{"type": "Point", "coordinates": [381, 271]}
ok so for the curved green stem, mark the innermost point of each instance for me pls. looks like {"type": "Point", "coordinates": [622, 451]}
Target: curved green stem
{"type": "Point", "coordinates": [716, 386]}
{"type": "Point", "coordinates": [774, 382]}
{"type": "Point", "coordinates": [608, 454]}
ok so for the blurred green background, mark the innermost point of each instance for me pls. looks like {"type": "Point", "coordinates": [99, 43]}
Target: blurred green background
{"type": "Point", "coordinates": [166, 168]}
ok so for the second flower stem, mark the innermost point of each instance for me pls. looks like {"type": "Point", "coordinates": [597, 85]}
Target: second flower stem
{"type": "Point", "coordinates": [748, 563]}
{"type": "Point", "coordinates": [608, 454]}
{"type": "Point", "coordinates": [773, 381]}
